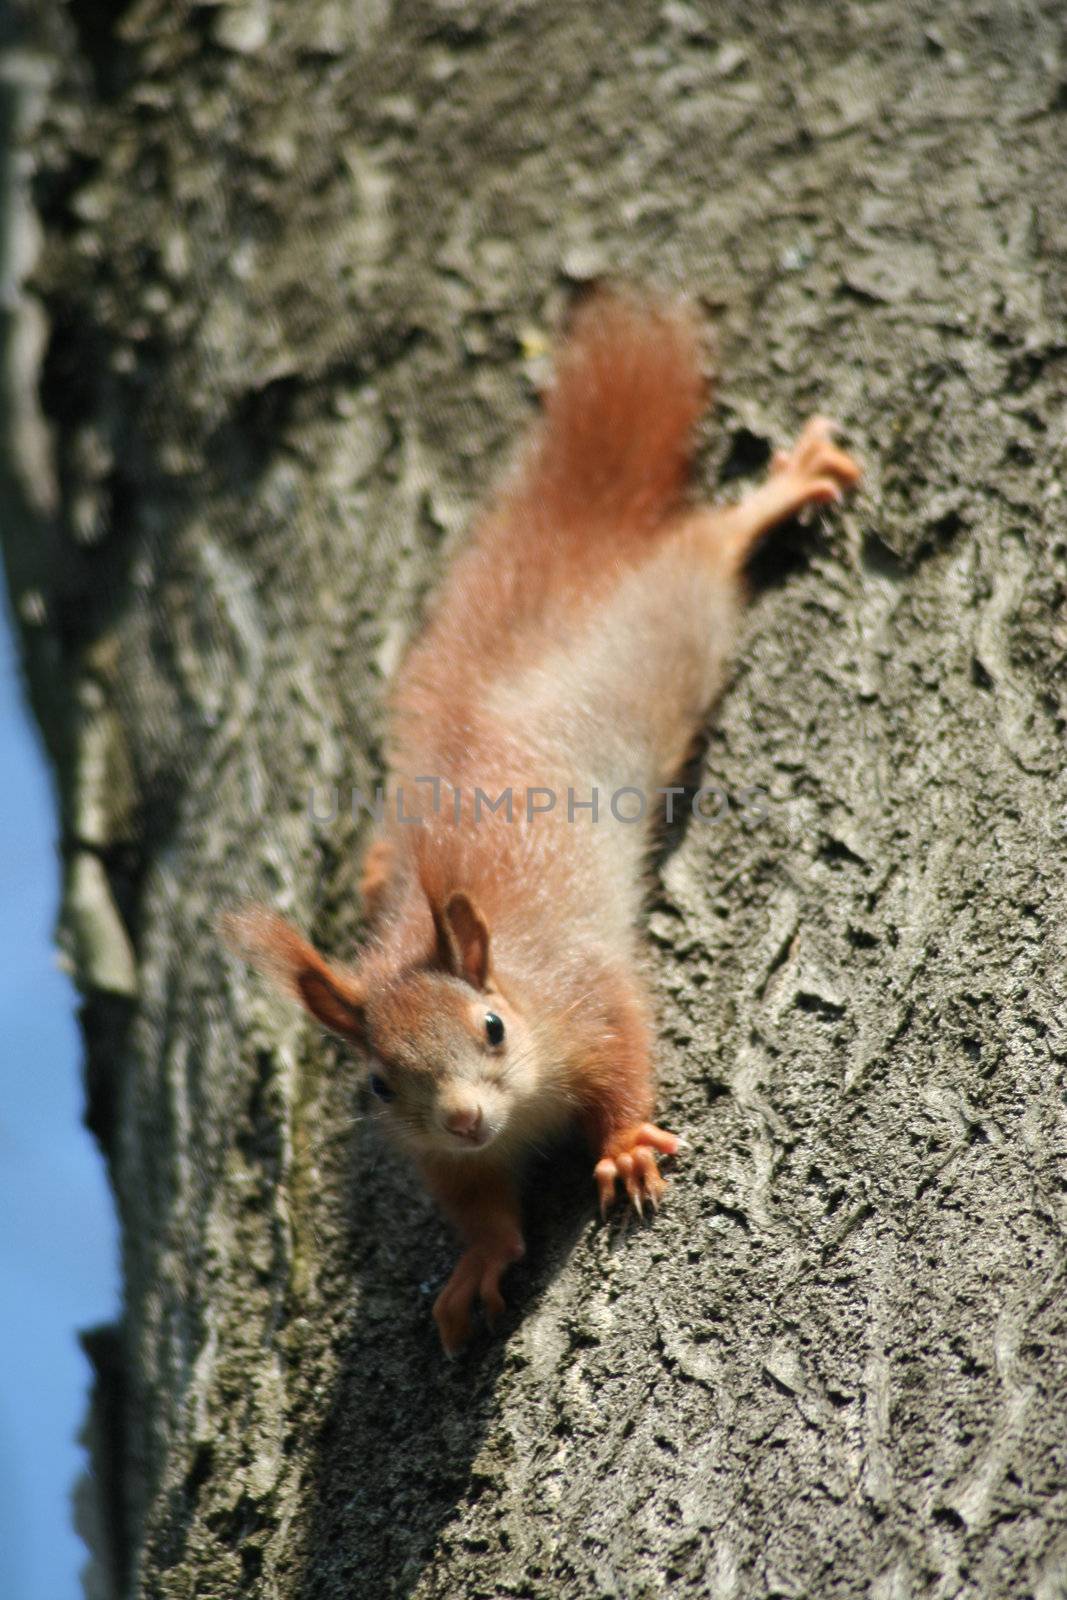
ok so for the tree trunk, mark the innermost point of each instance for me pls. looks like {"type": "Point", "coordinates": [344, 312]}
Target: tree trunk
{"type": "Point", "coordinates": [278, 281]}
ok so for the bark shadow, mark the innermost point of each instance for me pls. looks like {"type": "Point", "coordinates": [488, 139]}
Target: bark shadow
{"type": "Point", "coordinates": [396, 1457]}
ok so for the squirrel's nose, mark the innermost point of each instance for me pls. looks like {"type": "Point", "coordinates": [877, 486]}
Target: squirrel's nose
{"type": "Point", "coordinates": [464, 1120]}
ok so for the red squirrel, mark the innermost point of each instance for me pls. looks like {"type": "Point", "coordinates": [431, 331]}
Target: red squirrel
{"type": "Point", "coordinates": [574, 650]}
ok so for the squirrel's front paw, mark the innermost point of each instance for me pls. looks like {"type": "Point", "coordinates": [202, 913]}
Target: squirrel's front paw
{"type": "Point", "coordinates": [631, 1156]}
{"type": "Point", "coordinates": [476, 1276]}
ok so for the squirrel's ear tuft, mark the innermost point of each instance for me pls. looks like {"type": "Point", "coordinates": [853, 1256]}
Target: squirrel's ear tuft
{"type": "Point", "coordinates": [462, 939]}
{"type": "Point", "coordinates": [336, 999]}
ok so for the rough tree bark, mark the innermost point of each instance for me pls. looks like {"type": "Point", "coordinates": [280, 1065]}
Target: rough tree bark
{"type": "Point", "coordinates": [277, 282]}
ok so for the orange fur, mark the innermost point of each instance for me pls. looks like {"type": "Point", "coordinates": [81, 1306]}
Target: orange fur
{"type": "Point", "coordinates": [577, 642]}
{"type": "Point", "coordinates": [266, 941]}
{"type": "Point", "coordinates": [599, 479]}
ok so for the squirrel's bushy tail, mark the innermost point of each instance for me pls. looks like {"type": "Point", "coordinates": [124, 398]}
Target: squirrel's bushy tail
{"type": "Point", "coordinates": [617, 431]}
{"type": "Point", "coordinates": [606, 467]}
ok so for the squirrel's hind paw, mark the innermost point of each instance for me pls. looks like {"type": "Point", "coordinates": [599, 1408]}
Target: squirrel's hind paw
{"type": "Point", "coordinates": [815, 468]}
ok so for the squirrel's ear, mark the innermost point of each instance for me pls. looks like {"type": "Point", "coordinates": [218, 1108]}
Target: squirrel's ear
{"type": "Point", "coordinates": [336, 999]}
{"type": "Point", "coordinates": [462, 939]}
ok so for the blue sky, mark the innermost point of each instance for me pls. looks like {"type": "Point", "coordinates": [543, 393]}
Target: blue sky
{"type": "Point", "coordinates": [58, 1246]}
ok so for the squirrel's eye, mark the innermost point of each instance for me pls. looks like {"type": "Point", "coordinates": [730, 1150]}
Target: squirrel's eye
{"type": "Point", "coordinates": [494, 1028]}
{"type": "Point", "coordinates": [379, 1087]}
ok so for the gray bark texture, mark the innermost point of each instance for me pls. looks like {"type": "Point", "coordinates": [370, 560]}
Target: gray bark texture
{"type": "Point", "coordinates": [278, 282]}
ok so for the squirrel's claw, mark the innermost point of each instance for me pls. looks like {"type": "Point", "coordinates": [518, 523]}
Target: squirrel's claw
{"type": "Point", "coordinates": [452, 1312]}
{"type": "Point", "coordinates": [605, 1172]}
